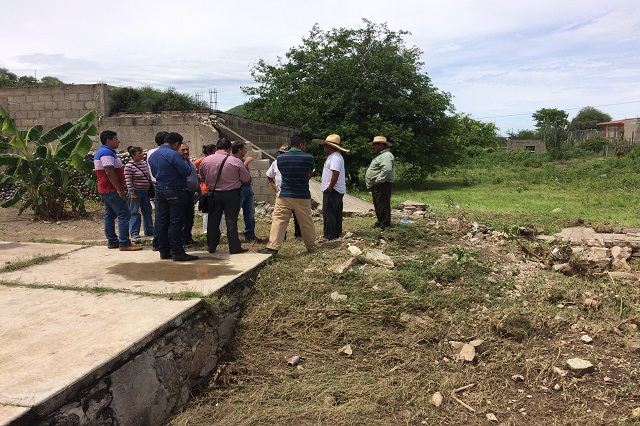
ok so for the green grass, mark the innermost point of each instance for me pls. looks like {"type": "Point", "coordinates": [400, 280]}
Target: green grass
{"type": "Point", "coordinates": [500, 191]}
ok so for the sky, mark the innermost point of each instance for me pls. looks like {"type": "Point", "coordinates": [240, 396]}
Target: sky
{"type": "Point", "coordinates": [501, 60]}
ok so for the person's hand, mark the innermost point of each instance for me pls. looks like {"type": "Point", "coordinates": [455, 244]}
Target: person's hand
{"type": "Point", "coordinates": [133, 195]}
{"type": "Point", "coordinates": [122, 194]}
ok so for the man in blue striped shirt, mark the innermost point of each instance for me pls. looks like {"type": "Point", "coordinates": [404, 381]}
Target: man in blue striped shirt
{"type": "Point", "coordinates": [296, 168]}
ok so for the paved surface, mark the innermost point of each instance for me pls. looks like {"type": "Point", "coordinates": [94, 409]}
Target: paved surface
{"type": "Point", "coordinates": [53, 338]}
{"type": "Point", "coordinates": [352, 205]}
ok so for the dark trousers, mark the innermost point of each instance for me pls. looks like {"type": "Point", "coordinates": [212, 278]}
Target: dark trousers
{"type": "Point", "coordinates": [189, 216]}
{"type": "Point", "coordinates": [382, 203]}
{"type": "Point", "coordinates": [169, 220]}
{"type": "Point", "coordinates": [332, 214]}
{"type": "Point", "coordinates": [227, 202]}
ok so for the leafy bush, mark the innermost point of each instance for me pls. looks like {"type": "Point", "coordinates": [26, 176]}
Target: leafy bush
{"type": "Point", "coordinates": [46, 168]}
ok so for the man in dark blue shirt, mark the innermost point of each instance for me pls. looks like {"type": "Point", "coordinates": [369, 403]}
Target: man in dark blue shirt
{"type": "Point", "coordinates": [296, 168]}
{"type": "Point", "coordinates": [170, 170]}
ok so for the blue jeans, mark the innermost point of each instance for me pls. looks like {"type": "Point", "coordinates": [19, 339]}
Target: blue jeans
{"type": "Point", "coordinates": [248, 211]}
{"type": "Point", "coordinates": [169, 219]}
{"type": "Point", "coordinates": [116, 208]}
{"type": "Point", "coordinates": [141, 204]}
{"type": "Point", "coordinates": [189, 216]}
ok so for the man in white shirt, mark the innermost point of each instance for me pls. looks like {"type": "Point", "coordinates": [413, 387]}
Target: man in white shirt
{"type": "Point", "coordinates": [333, 186]}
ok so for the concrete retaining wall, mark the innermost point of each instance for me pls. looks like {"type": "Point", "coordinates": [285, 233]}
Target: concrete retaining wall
{"type": "Point", "coordinates": [147, 387]}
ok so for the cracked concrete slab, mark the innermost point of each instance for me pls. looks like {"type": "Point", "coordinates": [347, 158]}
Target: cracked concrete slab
{"type": "Point", "coordinates": [53, 339]}
{"type": "Point", "coordinates": [140, 271]}
{"type": "Point", "coordinates": [11, 252]}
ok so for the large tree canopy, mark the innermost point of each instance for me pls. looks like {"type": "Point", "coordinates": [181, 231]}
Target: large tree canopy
{"type": "Point", "coordinates": [588, 118]}
{"type": "Point", "coordinates": [359, 83]}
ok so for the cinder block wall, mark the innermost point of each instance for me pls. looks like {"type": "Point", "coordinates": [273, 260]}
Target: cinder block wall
{"type": "Point", "coordinates": [53, 105]}
{"type": "Point", "coordinates": [520, 145]}
{"type": "Point", "coordinates": [140, 129]}
{"type": "Point", "coordinates": [269, 137]}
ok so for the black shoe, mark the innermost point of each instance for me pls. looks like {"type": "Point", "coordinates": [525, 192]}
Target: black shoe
{"type": "Point", "coordinates": [190, 242]}
{"type": "Point", "coordinates": [155, 248]}
{"type": "Point", "coordinates": [184, 257]}
{"type": "Point", "coordinates": [267, 250]}
{"type": "Point", "coordinates": [242, 250]}
{"type": "Point", "coordinates": [165, 256]}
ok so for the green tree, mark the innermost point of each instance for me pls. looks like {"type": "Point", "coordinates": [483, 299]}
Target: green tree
{"type": "Point", "coordinates": [588, 118]}
{"type": "Point", "coordinates": [27, 80]}
{"type": "Point", "coordinates": [359, 83]}
{"type": "Point", "coordinates": [553, 126]}
{"type": "Point", "coordinates": [148, 99]}
{"type": "Point", "coordinates": [525, 134]}
{"type": "Point", "coordinates": [469, 132]}
{"type": "Point", "coordinates": [7, 78]}
{"type": "Point", "coordinates": [45, 167]}
{"type": "Point", "coordinates": [51, 81]}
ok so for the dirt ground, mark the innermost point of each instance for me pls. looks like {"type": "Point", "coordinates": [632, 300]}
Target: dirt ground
{"type": "Point", "coordinates": [380, 356]}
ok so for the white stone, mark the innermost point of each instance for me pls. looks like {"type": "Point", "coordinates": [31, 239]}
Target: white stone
{"type": "Point", "coordinates": [580, 366]}
{"type": "Point", "coordinates": [477, 342]}
{"type": "Point", "coordinates": [467, 353]}
{"type": "Point", "coordinates": [354, 250]}
{"type": "Point", "coordinates": [337, 296]}
{"type": "Point", "coordinates": [436, 399]}
{"type": "Point", "coordinates": [379, 258]}
{"type": "Point", "coordinates": [586, 339]}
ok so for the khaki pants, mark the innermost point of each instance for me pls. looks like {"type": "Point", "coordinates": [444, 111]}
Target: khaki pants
{"type": "Point", "coordinates": [280, 220]}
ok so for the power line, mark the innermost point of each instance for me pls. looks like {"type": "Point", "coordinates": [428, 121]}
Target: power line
{"type": "Point", "coordinates": [566, 109]}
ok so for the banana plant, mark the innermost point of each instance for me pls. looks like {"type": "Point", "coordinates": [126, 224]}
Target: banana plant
{"type": "Point", "coordinates": [45, 168]}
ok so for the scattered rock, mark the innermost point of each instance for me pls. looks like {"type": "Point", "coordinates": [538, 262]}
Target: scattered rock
{"type": "Point", "coordinates": [635, 413]}
{"type": "Point", "coordinates": [379, 258]}
{"type": "Point", "coordinates": [477, 342]}
{"type": "Point", "coordinates": [436, 399]}
{"type": "Point", "coordinates": [346, 350]}
{"type": "Point", "coordinates": [456, 346]}
{"type": "Point", "coordinates": [559, 371]}
{"type": "Point", "coordinates": [329, 400]}
{"type": "Point", "coordinates": [354, 250]}
{"type": "Point", "coordinates": [517, 378]}
{"type": "Point", "coordinates": [633, 345]}
{"type": "Point", "coordinates": [591, 303]}
{"type": "Point", "coordinates": [337, 296]}
{"type": "Point", "coordinates": [492, 417]}
{"type": "Point", "coordinates": [557, 387]}
{"type": "Point", "coordinates": [580, 366]}
{"type": "Point", "coordinates": [467, 353]}
{"type": "Point", "coordinates": [624, 275]}
{"type": "Point", "coordinates": [342, 267]}
{"type": "Point", "coordinates": [564, 268]}
{"type": "Point", "coordinates": [586, 339]}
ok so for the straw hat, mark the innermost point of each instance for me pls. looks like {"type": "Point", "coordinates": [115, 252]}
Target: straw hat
{"type": "Point", "coordinates": [380, 139]}
{"type": "Point", "coordinates": [332, 141]}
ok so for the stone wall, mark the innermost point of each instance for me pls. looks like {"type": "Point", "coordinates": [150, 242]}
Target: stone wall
{"type": "Point", "coordinates": [53, 105]}
{"type": "Point", "coordinates": [269, 137]}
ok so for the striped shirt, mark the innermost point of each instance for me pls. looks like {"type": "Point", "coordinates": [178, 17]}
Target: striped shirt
{"type": "Point", "coordinates": [295, 167]}
{"type": "Point", "coordinates": [137, 175]}
{"type": "Point", "coordinates": [106, 158]}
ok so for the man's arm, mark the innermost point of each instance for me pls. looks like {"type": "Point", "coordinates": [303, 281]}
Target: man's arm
{"type": "Point", "coordinates": [113, 178]}
{"type": "Point", "coordinates": [272, 182]}
{"type": "Point", "coordinates": [334, 178]}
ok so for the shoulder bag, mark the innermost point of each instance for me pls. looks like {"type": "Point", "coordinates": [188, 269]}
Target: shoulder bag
{"type": "Point", "coordinates": [203, 204]}
{"type": "Point", "coordinates": [152, 187]}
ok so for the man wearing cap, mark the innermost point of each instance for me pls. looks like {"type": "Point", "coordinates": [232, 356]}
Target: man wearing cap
{"type": "Point", "coordinates": [379, 178]}
{"type": "Point", "coordinates": [333, 186]}
{"type": "Point", "coordinates": [296, 168]}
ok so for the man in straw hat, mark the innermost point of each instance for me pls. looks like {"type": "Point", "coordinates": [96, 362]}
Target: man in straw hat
{"type": "Point", "coordinates": [333, 186]}
{"type": "Point", "coordinates": [296, 168]}
{"type": "Point", "coordinates": [379, 179]}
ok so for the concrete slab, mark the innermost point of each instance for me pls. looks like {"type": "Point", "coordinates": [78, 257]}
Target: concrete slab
{"type": "Point", "coordinates": [51, 340]}
{"type": "Point", "coordinates": [10, 413]}
{"type": "Point", "coordinates": [140, 271]}
{"type": "Point", "coordinates": [11, 252]}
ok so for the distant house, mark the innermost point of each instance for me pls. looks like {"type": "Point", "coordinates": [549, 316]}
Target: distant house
{"type": "Point", "coordinates": [531, 145]}
{"type": "Point", "coordinates": [621, 131]}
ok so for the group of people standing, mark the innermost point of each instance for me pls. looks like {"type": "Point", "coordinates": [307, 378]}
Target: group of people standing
{"type": "Point", "coordinates": [290, 174]}
{"type": "Point", "coordinates": [222, 181]}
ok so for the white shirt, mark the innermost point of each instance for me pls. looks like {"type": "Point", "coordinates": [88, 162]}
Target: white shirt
{"type": "Point", "coordinates": [274, 174]}
{"type": "Point", "coordinates": [334, 162]}
{"type": "Point", "coordinates": [151, 151]}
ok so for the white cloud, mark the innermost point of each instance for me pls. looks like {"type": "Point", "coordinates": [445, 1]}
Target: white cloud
{"type": "Point", "coordinates": [496, 57]}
